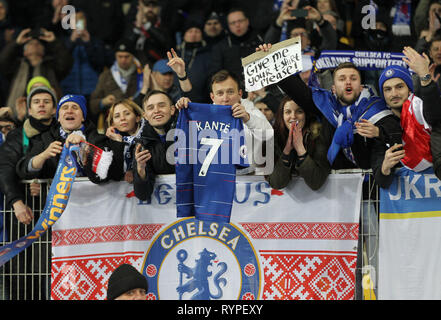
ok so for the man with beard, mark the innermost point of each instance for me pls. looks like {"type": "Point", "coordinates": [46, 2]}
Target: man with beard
{"type": "Point", "coordinates": [347, 108]}
{"type": "Point", "coordinates": [41, 103]}
{"type": "Point", "coordinates": [417, 117]}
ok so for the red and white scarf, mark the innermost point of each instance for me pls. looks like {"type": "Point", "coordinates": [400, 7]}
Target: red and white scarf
{"type": "Point", "coordinates": [416, 135]}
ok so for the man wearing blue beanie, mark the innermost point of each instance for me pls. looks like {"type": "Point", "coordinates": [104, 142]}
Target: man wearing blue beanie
{"type": "Point", "coordinates": [78, 99]}
{"type": "Point", "coordinates": [396, 87]}
{"type": "Point", "coordinates": [72, 128]}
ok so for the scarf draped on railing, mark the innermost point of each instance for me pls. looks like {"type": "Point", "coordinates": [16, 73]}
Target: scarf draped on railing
{"type": "Point", "coordinates": [56, 202]}
{"type": "Point", "coordinates": [72, 160]}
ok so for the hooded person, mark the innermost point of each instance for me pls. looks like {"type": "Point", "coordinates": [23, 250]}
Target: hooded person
{"type": "Point", "coordinates": [72, 128]}
{"type": "Point", "coordinates": [411, 111]}
{"type": "Point", "coordinates": [126, 283]}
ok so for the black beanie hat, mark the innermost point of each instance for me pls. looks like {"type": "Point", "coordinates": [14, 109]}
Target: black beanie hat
{"type": "Point", "coordinates": [123, 279]}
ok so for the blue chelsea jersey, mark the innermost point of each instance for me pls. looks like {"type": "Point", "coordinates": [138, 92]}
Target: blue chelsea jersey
{"type": "Point", "coordinates": [210, 146]}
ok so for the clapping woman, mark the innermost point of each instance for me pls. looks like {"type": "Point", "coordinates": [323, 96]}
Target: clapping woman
{"type": "Point", "coordinates": [300, 148]}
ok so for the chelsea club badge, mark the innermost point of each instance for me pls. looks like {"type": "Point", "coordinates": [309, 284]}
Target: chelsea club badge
{"type": "Point", "coordinates": [202, 260]}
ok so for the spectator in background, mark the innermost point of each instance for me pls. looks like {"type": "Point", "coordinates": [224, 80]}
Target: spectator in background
{"type": "Point", "coordinates": [123, 80]}
{"type": "Point", "coordinates": [41, 103]}
{"type": "Point", "coordinates": [105, 19]}
{"type": "Point", "coordinates": [327, 39]}
{"type": "Point", "coordinates": [7, 34]}
{"type": "Point", "coordinates": [89, 58]}
{"type": "Point", "coordinates": [300, 148]}
{"type": "Point", "coordinates": [268, 105]}
{"type": "Point", "coordinates": [343, 42]}
{"type": "Point", "coordinates": [196, 55]}
{"type": "Point", "coordinates": [399, 14]}
{"type": "Point", "coordinates": [127, 283]}
{"type": "Point", "coordinates": [52, 20]}
{"type": "Point", "coordinates": [427, 21]}
{"type": "Point", "coordinates": [148, 33]}
{"type": "Point", "coordinates": [213, 30]}
{"type": "Point", "coordinates": [240, 42]}
{"type": "Point", "coordinates": [434, 52]}
{"type": "Point", "coordinates": [162, 78]}
{"type": "Point", "coordinates": [43, 55]}
{"type": "Point", "coordinates": [125, 124]}
{"type": "Point", "coordinates": [378, 39]}
{"type": "Point", "coordinates": [326, 5]}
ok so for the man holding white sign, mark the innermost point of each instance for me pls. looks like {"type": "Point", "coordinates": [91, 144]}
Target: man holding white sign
{"type": "Point", "coordinates": [347, 108]}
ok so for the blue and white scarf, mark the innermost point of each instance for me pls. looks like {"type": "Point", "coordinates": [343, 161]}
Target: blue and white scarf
{"type": "Point", "coordinates": [128, 145]}
{"type": "Point", "coordinates": [343, 118]}
{"type": "Point", "coordinates": [122, 82]}
{"type": "Point", "coordinates": [56, 202]}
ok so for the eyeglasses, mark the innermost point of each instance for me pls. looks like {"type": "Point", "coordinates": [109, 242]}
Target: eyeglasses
{"type": "Point", "coordinates": [232, 23]}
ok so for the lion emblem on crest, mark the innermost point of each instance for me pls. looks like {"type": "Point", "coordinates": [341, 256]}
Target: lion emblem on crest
{"type": "Point", "coordinates": [199, 276]}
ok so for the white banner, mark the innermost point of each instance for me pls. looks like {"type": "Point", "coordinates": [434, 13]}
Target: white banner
{"type": "Point", "coordinates": [262, 69]}
{"type": "Point", "coordinates": [410, 238]}
{"type": "Point", "coordinates": [281, 244]}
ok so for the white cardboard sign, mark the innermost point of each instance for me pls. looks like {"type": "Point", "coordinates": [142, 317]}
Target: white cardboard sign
{"type": "Point", "coordinates": [262, 69]}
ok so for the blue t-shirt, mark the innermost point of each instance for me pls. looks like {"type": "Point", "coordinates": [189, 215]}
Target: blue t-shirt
{"type": "Point", "coordinates": [210, 145]}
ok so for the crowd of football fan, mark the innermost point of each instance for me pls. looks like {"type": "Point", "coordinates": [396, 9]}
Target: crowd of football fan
{"type": "Point", "coordinates": [116, 74]}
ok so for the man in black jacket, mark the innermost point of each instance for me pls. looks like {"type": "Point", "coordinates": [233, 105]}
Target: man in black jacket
{"type": "Point", "coordinates": [151, 153]}
{"type": "Point", "coordinates": [72, 128]}
{"type": "Point", "coordinates": [41, 103]}
{"type": "Point", "coordinates": [397, 88]}
{"type": "Point", "coordinates": [240, 42]}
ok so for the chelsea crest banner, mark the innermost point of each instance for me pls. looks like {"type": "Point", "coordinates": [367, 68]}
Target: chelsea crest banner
{"type": "Point", "coordinates": [279, 245]}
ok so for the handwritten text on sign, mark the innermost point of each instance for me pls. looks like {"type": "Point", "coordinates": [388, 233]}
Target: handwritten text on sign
{"type": "Point", "coordinates": [265, 68]}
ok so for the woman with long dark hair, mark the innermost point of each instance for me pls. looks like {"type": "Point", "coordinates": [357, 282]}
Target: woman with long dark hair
{"type": "Point", "coordinates": [300, 148]}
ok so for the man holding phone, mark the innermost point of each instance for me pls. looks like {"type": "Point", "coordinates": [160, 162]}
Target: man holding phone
{"type": "Point", "coordinates": [33, 53]}
{"type": "Point", "coordinates": [396, 87]}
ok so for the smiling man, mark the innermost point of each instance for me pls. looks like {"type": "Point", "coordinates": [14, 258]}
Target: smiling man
{"type": "Point", "coordinates": [225, 90]}
{"type": "Point", "coordinates": [351, 115]}
{"type": "Point", "coordinates": [72, 128]}
{"type": "Point", "coordinates": [413, 113]}
{"type": "Point", "coordinates": [150, 153]}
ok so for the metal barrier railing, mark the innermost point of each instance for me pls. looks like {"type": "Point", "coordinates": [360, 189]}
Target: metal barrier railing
{"type": "Point", "coordinates": [27, 276]}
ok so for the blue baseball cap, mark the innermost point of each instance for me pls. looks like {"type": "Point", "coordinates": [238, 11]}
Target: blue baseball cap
{"type": "Point", "coordinates": [162, 67]}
